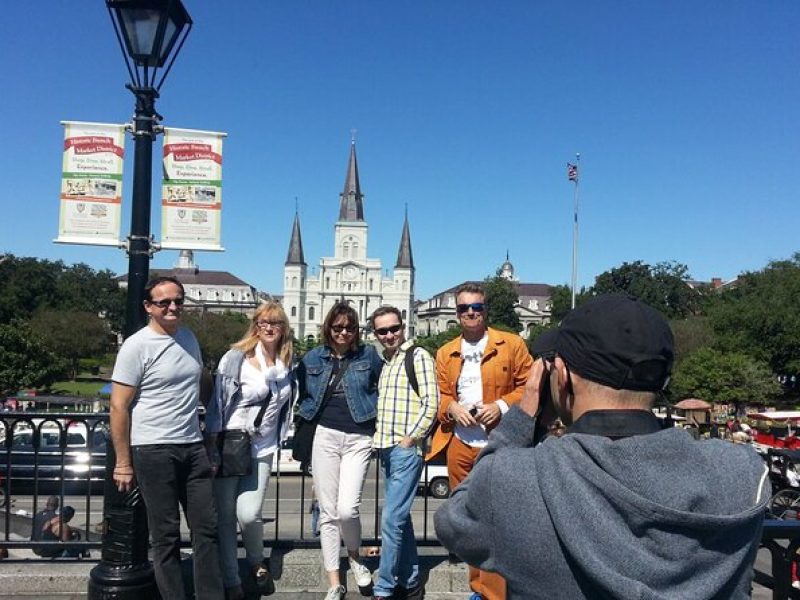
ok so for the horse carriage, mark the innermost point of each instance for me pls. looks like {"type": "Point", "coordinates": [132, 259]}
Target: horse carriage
{"type": "Point", "coordinates": [775, 437]}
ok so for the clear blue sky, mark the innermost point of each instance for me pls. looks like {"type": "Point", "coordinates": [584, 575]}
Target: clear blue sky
{"type": "Point", "coordinates": [685, 114]}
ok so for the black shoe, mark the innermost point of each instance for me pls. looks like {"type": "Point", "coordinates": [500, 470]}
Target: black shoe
{"type": "Point", "coordinates": [415, 593]}
{"type": "Point", "coordinates": [264, 581]}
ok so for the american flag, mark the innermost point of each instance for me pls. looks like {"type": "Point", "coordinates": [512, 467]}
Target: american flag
{"type": "Point", "coordinates": [572, 172]}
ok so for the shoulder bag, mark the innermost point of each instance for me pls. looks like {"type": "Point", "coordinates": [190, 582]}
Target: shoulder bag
{"type": "Point", "coordinates": [234, 447]}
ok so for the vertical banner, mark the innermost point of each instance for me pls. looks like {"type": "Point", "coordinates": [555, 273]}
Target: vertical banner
{"type": "Point", "coordinates": [191, 193]}
{"type": "Point", "coordinates": [91, 183]}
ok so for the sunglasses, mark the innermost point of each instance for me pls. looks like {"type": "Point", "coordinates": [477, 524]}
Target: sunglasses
{"type": "Point", "coordinates": [391, 329]}
{"type": "Point", "coordinates": [345, 328]}
{"type": "Point", "coordinates": [265, 324]}
{"type": "Point", "coordinates": [475, 306]}
{"type": "Point", "coordinates": [166, 302]}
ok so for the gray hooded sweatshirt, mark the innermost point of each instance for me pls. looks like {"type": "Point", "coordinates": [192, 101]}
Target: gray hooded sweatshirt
{"type": "Point", "coordinates": [655, 516]}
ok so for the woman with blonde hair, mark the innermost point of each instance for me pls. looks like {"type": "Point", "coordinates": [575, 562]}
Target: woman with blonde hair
{"type": "Point", "coordinates": [339, 382]}
{"type": "Point", "coordinates": [254, 389]}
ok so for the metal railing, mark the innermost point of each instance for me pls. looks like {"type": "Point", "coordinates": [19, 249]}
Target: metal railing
{"type": "Point", "coordinates": [67, 470]}
{"type": "Point", "coordinates": [63, 454]}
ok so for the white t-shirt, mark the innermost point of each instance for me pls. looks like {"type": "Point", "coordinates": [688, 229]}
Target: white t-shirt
{"type": "Point", "coordinates": [470, 390]}
{"type": "Point", "coordinates": [165, 370]}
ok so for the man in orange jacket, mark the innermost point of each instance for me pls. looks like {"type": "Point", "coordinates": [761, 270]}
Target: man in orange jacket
{"type": "Point", "coordinates": [481, 374]}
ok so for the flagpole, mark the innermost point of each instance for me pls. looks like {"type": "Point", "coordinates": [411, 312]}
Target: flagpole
{"type": "Point", "coordinates": [575, 229]}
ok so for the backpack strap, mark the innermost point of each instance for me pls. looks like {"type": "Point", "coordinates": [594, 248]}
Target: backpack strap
{"type": "Point", "coordinates": [410, 372]}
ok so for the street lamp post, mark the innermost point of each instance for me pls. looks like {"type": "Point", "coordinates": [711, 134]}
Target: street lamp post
{"type": "Point", "coordinates": [151, 34]}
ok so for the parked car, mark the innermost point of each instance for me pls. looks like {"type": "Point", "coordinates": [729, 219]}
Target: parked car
{"type": "Point", "coordinates": [434, 479]}
{"type": "Point", "coordinates": [71, 460]}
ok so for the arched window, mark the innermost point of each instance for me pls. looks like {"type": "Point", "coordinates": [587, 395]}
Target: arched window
{"type": "Point", "coordinates": [371, 281]}
{"type": "Point", "coordinates": [294, 311]}
{"type": "Point", "coordinates": [405, 285]}
{"type": "Point", "coordinates": [310, 313]}
{"type": "Point", "coordinates": [402, 312]}
{"type": "Point", "coordinates": [355, 249]}
{"type": "Point", "coordinates": [294, 281]}
{"type": "Point", "coordinates": [345, 250]}
{"type": "Point", "coordinates": [327, 283]}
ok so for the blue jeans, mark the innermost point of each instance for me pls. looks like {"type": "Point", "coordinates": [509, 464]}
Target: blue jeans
{"type": "Point", "coordinates": [399, 561]}
{"type": "Point", "coordinates": [240, 499]}
{"type": "Point", "coordinates": [171, 476]}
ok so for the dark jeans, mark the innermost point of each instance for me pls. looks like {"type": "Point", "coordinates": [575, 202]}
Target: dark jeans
{"type": "Point", "coordinates": [169, 475]}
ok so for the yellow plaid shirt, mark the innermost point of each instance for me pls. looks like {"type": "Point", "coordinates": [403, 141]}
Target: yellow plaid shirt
{"type": "Point", "coordinates": [401, 413]}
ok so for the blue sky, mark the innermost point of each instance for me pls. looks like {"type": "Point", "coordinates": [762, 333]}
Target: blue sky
{"type": "Point", "coordinates": [685, 114]}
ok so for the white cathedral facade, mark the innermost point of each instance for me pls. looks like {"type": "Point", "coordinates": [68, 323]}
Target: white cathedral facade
{"type": "Point", "coordinates": [349, 275]}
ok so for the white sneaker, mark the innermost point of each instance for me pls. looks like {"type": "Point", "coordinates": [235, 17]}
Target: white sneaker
{"type": "Point", "coordinates": [361, 574]}
{"type": "Point", "coordinates": [335, 593]}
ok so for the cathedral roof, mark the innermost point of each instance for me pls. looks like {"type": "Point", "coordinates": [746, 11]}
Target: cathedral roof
{"type": "Point", "coordinates": [405, 258]}
{"type": "Point", "coordinates": [351, 206]}
{"type": "Point", "coordinates": [295, 254]}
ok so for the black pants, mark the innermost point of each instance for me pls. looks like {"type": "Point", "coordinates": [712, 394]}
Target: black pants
{"type": "Point", "coordinates": [170, 475]}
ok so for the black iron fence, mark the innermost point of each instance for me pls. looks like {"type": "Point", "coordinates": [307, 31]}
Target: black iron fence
{"type": "Point", "coordinates": [63, 454]}
{"type": "Point", "coordinates": [45, 454]}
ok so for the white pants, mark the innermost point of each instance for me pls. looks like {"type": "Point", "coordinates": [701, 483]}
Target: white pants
{"type": "Point", "coordinates": [339, 463]}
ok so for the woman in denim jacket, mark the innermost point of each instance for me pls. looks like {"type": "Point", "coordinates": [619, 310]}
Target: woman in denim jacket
{"type": "Point", "coordinates": [256, 370]}
{"type": "Point", "coordinates": [339, 386]}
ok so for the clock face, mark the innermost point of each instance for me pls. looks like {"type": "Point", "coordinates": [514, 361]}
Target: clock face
{"type": "Point", "coordinates": [350, 272]}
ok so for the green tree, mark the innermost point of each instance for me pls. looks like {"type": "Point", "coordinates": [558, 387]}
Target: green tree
{"type": "Point", "coordinates": [561, 301]}
{"type": "Point", "coordinates": [81, 288]}
{"type": "Point", "coordinates": [215, 333]}
{"type": "Point", "coordinates": [433, 342]}
{"type": "Point", "coordinates": [72, 335]}
{"type": "Point", "coordinates": [725, 377]}
{"type": "Point", "coordinates": [761, 316]}
{"type": "Point", "coordinates": [26, 284]}
{"type": "Point", "coordinates": [25, 362]}
{"type": "Point", "coordinates": [501, 297]}
{"type": "Point", "coordinates": [663, 286]}
{"type": "Point", "coordinates": [691, 334]}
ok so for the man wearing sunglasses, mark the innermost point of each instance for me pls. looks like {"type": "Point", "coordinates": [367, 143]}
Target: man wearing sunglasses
{"type": "Point", "coordinates": [481, 374]}
{"type": "Point", "coordinates": [155, 429]}
{"type": "Point", "coordinates": [405, 416]}
{"type": "Point", "coordinates": [617, 507]}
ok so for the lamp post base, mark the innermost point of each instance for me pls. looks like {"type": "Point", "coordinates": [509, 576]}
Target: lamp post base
{"type": "Point", "coordinates": [107, 582]}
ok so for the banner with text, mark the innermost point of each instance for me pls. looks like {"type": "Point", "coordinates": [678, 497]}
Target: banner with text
{"type": "Point", "coordinates": [91, 183]}
{"type": "Point", "coordinates": [191, 193]}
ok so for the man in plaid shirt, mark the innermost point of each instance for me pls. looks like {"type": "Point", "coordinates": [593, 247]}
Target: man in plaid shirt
{"type": "Point", "coordinates": [404, 420]}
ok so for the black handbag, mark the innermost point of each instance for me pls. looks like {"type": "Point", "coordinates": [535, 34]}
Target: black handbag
{"type": "Point", "coordinates": [234, 453]}
{"type": "Point", "coordinates": [234, 448]}
{"type": "Point", "coordinates": [304, 429]}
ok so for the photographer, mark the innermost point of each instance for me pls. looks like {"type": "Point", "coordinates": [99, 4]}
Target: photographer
{"type": "Point", "coordinates": [617, 507]}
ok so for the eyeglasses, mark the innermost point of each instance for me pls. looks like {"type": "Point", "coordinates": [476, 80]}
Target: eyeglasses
{"type": "Point", "coordinates": [343, 328]}
{"type": "Point", "coordinates": [391, 329]}
{"type": "Point", "coordinates": [475, 306]}
{"type": "Point", "coordinates": [166, 302]}
{"type": "Point", "coordinates": [264, 324]}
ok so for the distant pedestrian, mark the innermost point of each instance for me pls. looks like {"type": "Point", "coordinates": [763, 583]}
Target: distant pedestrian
{"type": "Point", "coordinates": [43, 516]}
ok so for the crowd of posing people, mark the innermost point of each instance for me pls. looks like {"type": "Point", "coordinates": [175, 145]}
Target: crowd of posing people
{"type": "Point", "coordinates": [610, 507]}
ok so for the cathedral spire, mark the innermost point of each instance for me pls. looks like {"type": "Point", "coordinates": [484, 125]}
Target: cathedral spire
{"type": "Point", "coordinates": [351, 207]}
{"type": "Point", "coordinates": [295, 255]}
{"type": "Point", "coordinates": [405, 258]}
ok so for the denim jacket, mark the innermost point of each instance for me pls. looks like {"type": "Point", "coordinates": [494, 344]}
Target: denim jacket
{"type": "Point", "coordinates": [228, 388]}
{"type": "Point", "coordinates": [360, 382]}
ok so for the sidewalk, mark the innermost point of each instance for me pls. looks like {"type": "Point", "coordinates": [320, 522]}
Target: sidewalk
{"type": "Point", "coordinates": [298, 576]}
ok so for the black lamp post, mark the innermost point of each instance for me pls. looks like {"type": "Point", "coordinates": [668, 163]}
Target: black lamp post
{"type": "Point", "coordinates": [150, 34]}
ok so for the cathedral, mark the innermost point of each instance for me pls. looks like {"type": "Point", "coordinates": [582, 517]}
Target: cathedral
{"type": "Point", "coordinates": [348, 275]}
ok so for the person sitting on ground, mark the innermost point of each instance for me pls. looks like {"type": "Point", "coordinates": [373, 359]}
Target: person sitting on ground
{"type": "Point", "coordinates": [58, 529]}
{"type": "Point", "coordinates": [43, 516]}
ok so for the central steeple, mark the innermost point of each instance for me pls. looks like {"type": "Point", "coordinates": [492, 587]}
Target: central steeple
{"type": "Point", "coordinates": [351, 205]}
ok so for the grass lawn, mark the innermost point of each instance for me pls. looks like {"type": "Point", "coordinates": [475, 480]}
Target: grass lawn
{"type": "Point", "coordinates": [83, 387]}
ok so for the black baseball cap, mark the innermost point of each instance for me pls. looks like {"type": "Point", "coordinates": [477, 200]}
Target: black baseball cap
{"type": "Point", "coordinates": [617, 341]}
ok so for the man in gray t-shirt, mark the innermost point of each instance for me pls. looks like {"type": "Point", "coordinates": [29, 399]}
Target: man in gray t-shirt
{"type": "Point", "coordinates": [156, 433]}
